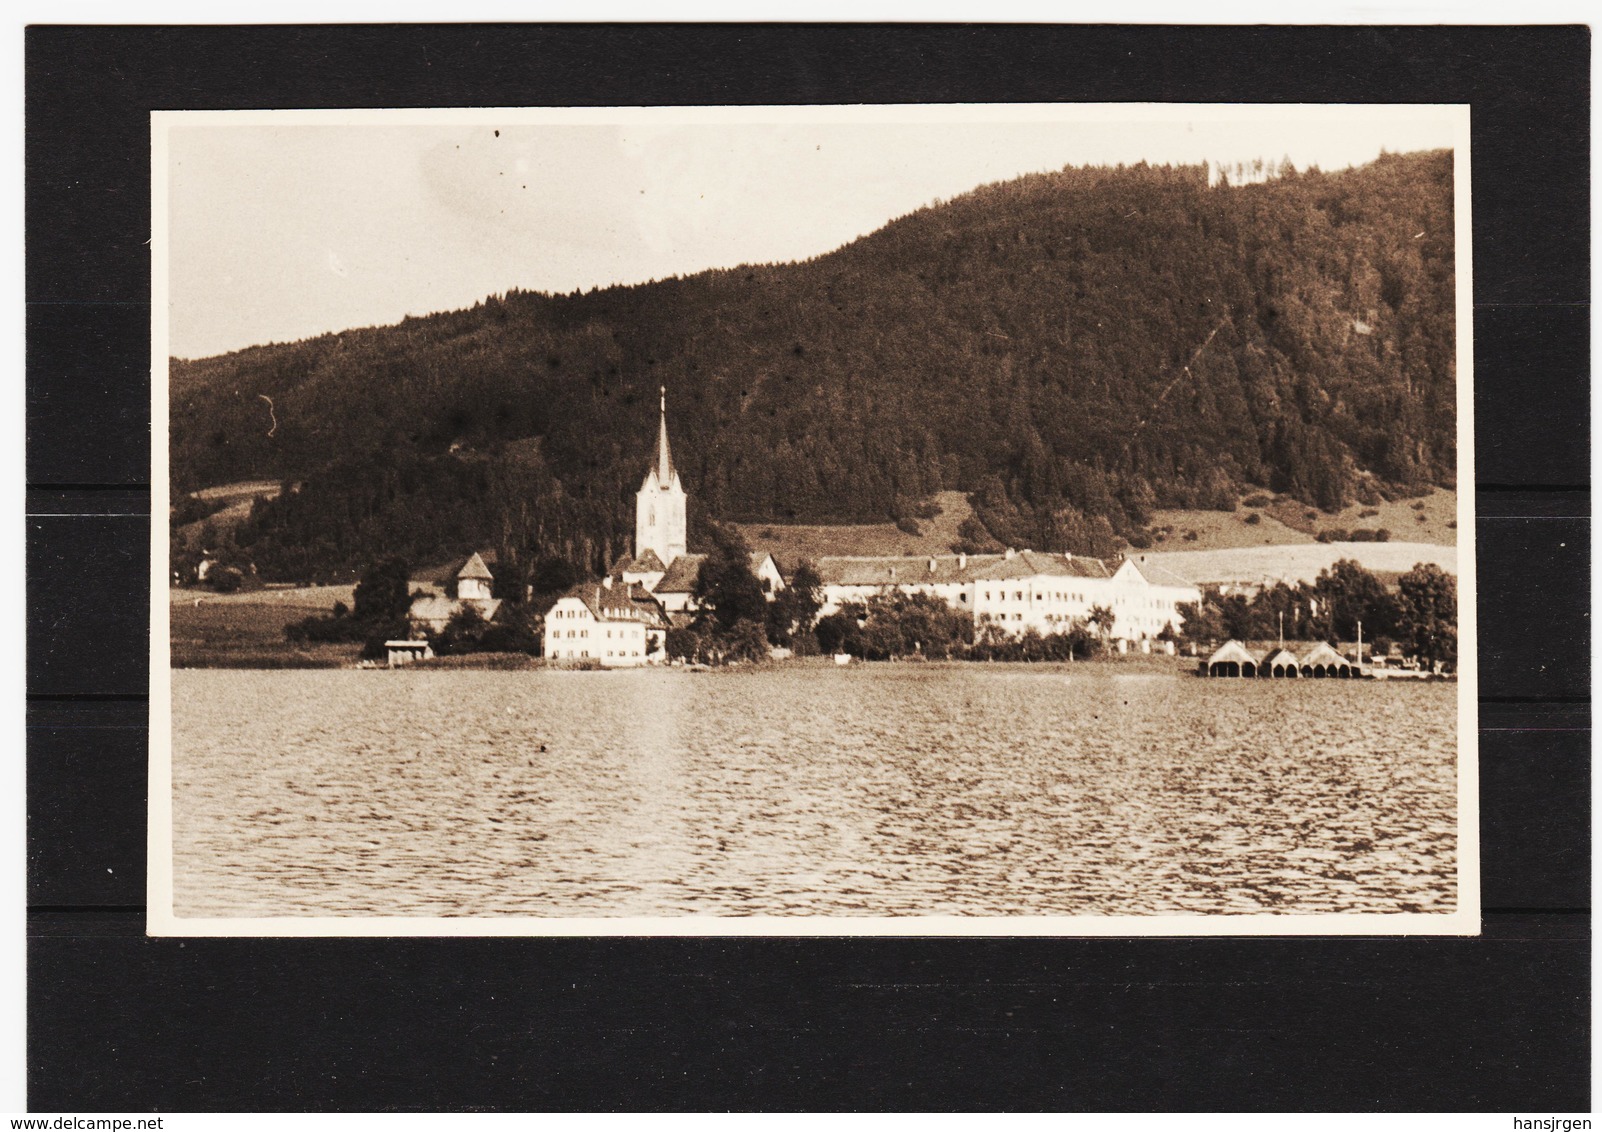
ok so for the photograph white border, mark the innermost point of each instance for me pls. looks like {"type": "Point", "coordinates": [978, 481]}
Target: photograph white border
{"type": "Point", "coordinates": [161, 920]}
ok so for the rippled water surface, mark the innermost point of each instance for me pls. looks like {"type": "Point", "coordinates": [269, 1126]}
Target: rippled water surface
{"type": "Point", "coordinates": [884, 790]}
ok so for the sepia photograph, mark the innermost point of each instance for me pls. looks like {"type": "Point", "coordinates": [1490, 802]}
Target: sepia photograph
{"type": "Point", "coordinates": [813, 520]}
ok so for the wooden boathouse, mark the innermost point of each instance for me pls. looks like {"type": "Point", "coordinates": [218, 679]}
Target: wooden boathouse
{"type": "Point", "coordinates": [1231, 659]}
{"type": "Point", "coordinates": [1322, 660]}
{"type": "Point", "coordinates": [1281, 663]}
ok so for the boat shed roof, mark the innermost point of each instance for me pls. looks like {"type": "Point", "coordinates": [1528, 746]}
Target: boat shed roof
{"type": "Point", "coordinates": [1323, 653]}
{"type": "Point", "coordinates": [1232, 650]}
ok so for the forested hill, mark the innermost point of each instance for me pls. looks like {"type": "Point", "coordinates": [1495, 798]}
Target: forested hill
{"type": "Point", "coordinates": [1074, 348]}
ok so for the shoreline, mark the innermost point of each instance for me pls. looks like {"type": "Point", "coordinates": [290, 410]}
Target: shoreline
{"type": "Point", "coordinates": [1141, 665]}
{"type": "Point", "coordinates": [518, 662]}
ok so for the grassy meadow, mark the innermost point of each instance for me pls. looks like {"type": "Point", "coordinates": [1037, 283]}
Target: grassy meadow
{"type": "Point", "coordinates": [246, 630]}
{"type": "Point", "coordinates": [789, 543]}
{"type": "Point", "coordinates": [1285, 522]}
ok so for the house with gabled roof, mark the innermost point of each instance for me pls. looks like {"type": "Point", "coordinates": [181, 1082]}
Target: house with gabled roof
{"type": "Point", "coordinates": [645, 568]}
{"type": "Point", "coordinates": [1279, 664]}
{"type": "Point", "coordinates": [474, 587]}
{"type": "Point", "coordinates": [474, 582]}
{"type": "Point", "coordinates": [1148, 597]}
{"type": "Point", "coordinates": [615, 623]}
{"type": "Point", "coordinates": [676, 588]}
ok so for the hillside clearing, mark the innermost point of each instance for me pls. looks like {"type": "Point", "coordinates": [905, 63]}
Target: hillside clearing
{"type": "Point", "coordinates": [238, 498]}
{"type": "Point", "coordinates": [245, 490]}
{"type": "Point", "coordinates": [1298, 562]}
{"type": "Point", "coordinates": [1285, 522]}
{"type": "Point", "coordinates": [790, 543]}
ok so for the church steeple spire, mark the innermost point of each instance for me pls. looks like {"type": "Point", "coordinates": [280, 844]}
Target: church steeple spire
{"type": "Point", "coordinates": [659, 517]}
{"type": "Point", "coordinates": [664, 458]}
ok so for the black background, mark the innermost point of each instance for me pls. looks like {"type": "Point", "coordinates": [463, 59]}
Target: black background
{"type": "Point", "coordinates": [121, 1022]}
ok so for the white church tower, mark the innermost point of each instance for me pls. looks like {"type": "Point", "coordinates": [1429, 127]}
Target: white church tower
{"type": "Point", "coordinates": [659, 523]}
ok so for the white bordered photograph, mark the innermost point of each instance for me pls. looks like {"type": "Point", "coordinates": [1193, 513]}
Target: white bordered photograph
{"type": "Point", "coordinates": [919, 520]}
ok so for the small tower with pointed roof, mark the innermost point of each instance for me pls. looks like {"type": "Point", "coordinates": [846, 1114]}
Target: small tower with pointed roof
{"type": "Point", "coordinates": [659, 522]}
{"type": "Point", "coordinates": [474, 582]}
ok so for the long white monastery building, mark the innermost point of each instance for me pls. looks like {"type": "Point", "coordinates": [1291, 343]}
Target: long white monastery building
{"type": "Point", "coordinates": [1022, 589]}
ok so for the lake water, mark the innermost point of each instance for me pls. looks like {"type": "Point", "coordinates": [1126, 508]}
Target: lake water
{"type": "Point", "coordinates": [881, 790]}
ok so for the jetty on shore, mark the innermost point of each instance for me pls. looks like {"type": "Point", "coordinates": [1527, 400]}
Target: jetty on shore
{"type": "Point", "coordinates": [1320, 661]}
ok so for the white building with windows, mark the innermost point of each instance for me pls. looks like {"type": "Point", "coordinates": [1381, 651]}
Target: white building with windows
{"type": "Point", "coordinates": [1022, 589]}
{"type": "Point", "coordinates": [1146, 598]}
{"type": "Point", "coordinates": [614, 623]}
{"type": "Point", "coordinates": [858, 578]}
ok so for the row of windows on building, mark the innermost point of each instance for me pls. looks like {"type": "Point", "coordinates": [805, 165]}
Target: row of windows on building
{"type": "Point", "coordinates": [629, 614]}
{"type": "Point", "coordinates": [1029, 595]}
{"type": "Point", "coordinates": [1019, 595]}
{"type": "Point", "coordinates": [583, 634]}
{"type": "Point", "coordinates": [583, 654]}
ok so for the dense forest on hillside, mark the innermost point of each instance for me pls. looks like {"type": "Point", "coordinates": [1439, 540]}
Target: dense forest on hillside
{"type": "Point", "coordinates": [1074, 348]}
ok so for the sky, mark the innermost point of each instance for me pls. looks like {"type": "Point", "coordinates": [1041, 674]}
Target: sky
{"type": "Point", "coordinates": [284, 225]}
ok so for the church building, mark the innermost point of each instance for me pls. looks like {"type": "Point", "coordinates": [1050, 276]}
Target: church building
{"type": "Point", "coordinates": [660, 529]}
{"type": "Point", "coordinates": [623, 619]}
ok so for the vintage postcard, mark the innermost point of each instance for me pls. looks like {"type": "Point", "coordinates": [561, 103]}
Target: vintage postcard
{"type": "Point", "coordinates": [813, 520]}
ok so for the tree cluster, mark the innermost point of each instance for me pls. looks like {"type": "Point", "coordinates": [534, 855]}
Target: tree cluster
{"type": "Point", "coordinates": [516, 628]}
{"type": "Point", "coordinates": [891, 626]}
{"type": "Point", "coordinates": [1420, 615]}
{"type": "Point", "coordinates": [900, 626]}
{"type": "Point", "coordinates": [381, 600]}
{"type": "Point", "coordinates": [735, 620]}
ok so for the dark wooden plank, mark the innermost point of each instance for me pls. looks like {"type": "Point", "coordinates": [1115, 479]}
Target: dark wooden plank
{"type": "Point", "coordinates": [1535, 817]}
{"type": "Point", "coordinates": [120, 1021]}
{"type": "Point", "coordinates": [1520, 503]}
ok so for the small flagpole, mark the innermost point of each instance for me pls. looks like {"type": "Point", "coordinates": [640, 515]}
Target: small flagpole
{"type": "Point", "coordinates": [1281, 628]}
